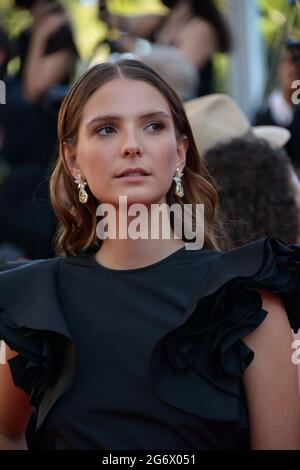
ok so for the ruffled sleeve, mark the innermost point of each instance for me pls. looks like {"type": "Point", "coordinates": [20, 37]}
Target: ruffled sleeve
{"type": "Point", "coordinates": [198, 366]}
{"type": "Point", "coordinates": [31, 323]}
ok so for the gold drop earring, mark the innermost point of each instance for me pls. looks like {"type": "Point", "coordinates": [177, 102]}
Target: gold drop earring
{"type": "Point", "coordinates": [83, 195]}
{"type": "Point", "coordinates": [177, 178]}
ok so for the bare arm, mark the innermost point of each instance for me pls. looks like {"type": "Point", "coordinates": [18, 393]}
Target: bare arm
{"type": "Point", "coordinates": [42, 71]}
{"type": "Point", "coordinates": [140, 26]}
{"type": "Point", "coordinates": [198, 43]}
{"type": "Point", "coordinates": [271, 382]}
{"type": "Point", "coordinates": [15, 410]}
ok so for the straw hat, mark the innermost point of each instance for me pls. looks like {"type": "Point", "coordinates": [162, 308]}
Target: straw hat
{"type": "Point", "coordinates": [216, 118]}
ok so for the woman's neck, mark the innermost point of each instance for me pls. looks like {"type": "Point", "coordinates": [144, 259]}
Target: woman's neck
{"type": "Point", "coordinates": [137, 241]}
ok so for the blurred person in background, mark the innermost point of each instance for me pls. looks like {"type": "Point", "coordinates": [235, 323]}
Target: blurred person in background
{"type": "Point", "coordinates": [4, 58]}
{"type": "Point", "coordinates": [26, 216]}
{"type": "Point", "coordinates": [195, 29]}
{"type": "Point", "coordinates": [4, 53]}
{"type": "Point", "coordinates": [258, 189]}
{"type": "Point", "coordinates": [217, 119]}
{"type": "Point", "coordinates": [279, 109]}
{"type": "Point", "coordinates": [47, 49]}
{"type": "Point", "coordinates": [48, 55]}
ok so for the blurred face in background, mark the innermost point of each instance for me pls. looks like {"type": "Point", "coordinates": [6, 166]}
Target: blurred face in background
{"type": "Point", "coordinates": [289, 71]}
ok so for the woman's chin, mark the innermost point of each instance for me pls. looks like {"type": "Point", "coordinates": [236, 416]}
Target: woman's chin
{"type": "Point", "coordinates": [130, 199]}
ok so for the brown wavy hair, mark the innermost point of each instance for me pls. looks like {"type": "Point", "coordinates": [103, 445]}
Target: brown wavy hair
{"type": "Point", "coordinates": [77, 222]}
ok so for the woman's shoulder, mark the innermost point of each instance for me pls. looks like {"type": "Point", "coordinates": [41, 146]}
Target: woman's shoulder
{"type": "Point", "coordinates": [33, 325]}
{"type": "Point", "coordinates": [267, 266]}
{"type": "Point", "coordinates": [205, 355]}
{"type": "Point", "coordinates": [27, 265]}
{"type": "Point", "coordinates": [20, 271]}
{"type": "Point", "coordinates": [261, 259]}
{"type": "Point", "coordinates": [25, 281]}
{"type": "Point", "coordinates": [29, 297]}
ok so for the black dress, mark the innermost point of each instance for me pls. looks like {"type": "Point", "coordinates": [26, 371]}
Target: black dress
{"type": "Point", "coordinates": [149, 358]}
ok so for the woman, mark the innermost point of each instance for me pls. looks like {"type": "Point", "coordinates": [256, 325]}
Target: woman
{"type": "Point", "coordinates": [195, 29]}
{"type": "Point", "coordinates": [143, 344]}
{"type": "Point", "coordinates": [47, 52]}
{"type": "Point", "coordinates": [48, 57]}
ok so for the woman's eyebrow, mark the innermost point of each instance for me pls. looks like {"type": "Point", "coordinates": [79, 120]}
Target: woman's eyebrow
{"type": "Point", "coordinates": [107, 117]}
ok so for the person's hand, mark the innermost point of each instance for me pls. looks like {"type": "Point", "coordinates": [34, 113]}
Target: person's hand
{"type": "Point", "coordinates": [49, 24]}
{"type": "Point", "coordinates": [107, 18]}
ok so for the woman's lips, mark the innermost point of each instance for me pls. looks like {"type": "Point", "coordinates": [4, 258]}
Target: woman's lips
{"type": "Point", "coordinates": [133, 178]}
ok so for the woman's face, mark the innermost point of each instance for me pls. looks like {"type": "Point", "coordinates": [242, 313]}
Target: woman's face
{"type": "Point", "coordinates": [127, 126]}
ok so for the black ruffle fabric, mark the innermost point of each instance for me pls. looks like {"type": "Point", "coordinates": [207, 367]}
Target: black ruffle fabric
{"type": "Point", "coordinates": [32, 324]}
{"type": "Point", "coordinates": [198, 366]}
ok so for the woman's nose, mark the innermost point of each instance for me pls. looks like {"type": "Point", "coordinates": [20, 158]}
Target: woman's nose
{"type": "Point", "coordinates": [132, 148]}
{"type": "Point", "coordinates": [135, 151]}
{"type": "Point", "coordinates": [132, 151]}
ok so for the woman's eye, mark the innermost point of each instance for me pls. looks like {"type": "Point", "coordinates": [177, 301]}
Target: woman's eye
{"type": "Point", "coordinates": [105, 130]}
{"type": "Point", "coordinates": [155, 126]}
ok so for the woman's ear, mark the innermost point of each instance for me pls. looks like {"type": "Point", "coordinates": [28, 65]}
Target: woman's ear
{"type": "Point", "coordinates": [182, 148]}
{"type": "Point", "coordinates": [69, 152]}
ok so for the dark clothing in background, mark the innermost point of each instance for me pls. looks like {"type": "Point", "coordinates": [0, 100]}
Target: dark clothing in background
{"type": "Point", "coordinates": [205, 73]}
{"type": "Point", "coordinates": [29, 148]}
{"type": "Point", "coordinates": [60, 40]}
{"type": "Point", "coordinates": [30, 129]}
{"type": "Point", "coordinates": [264, 118]}
{"type": "Point", "coordinates": [26, 215]}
